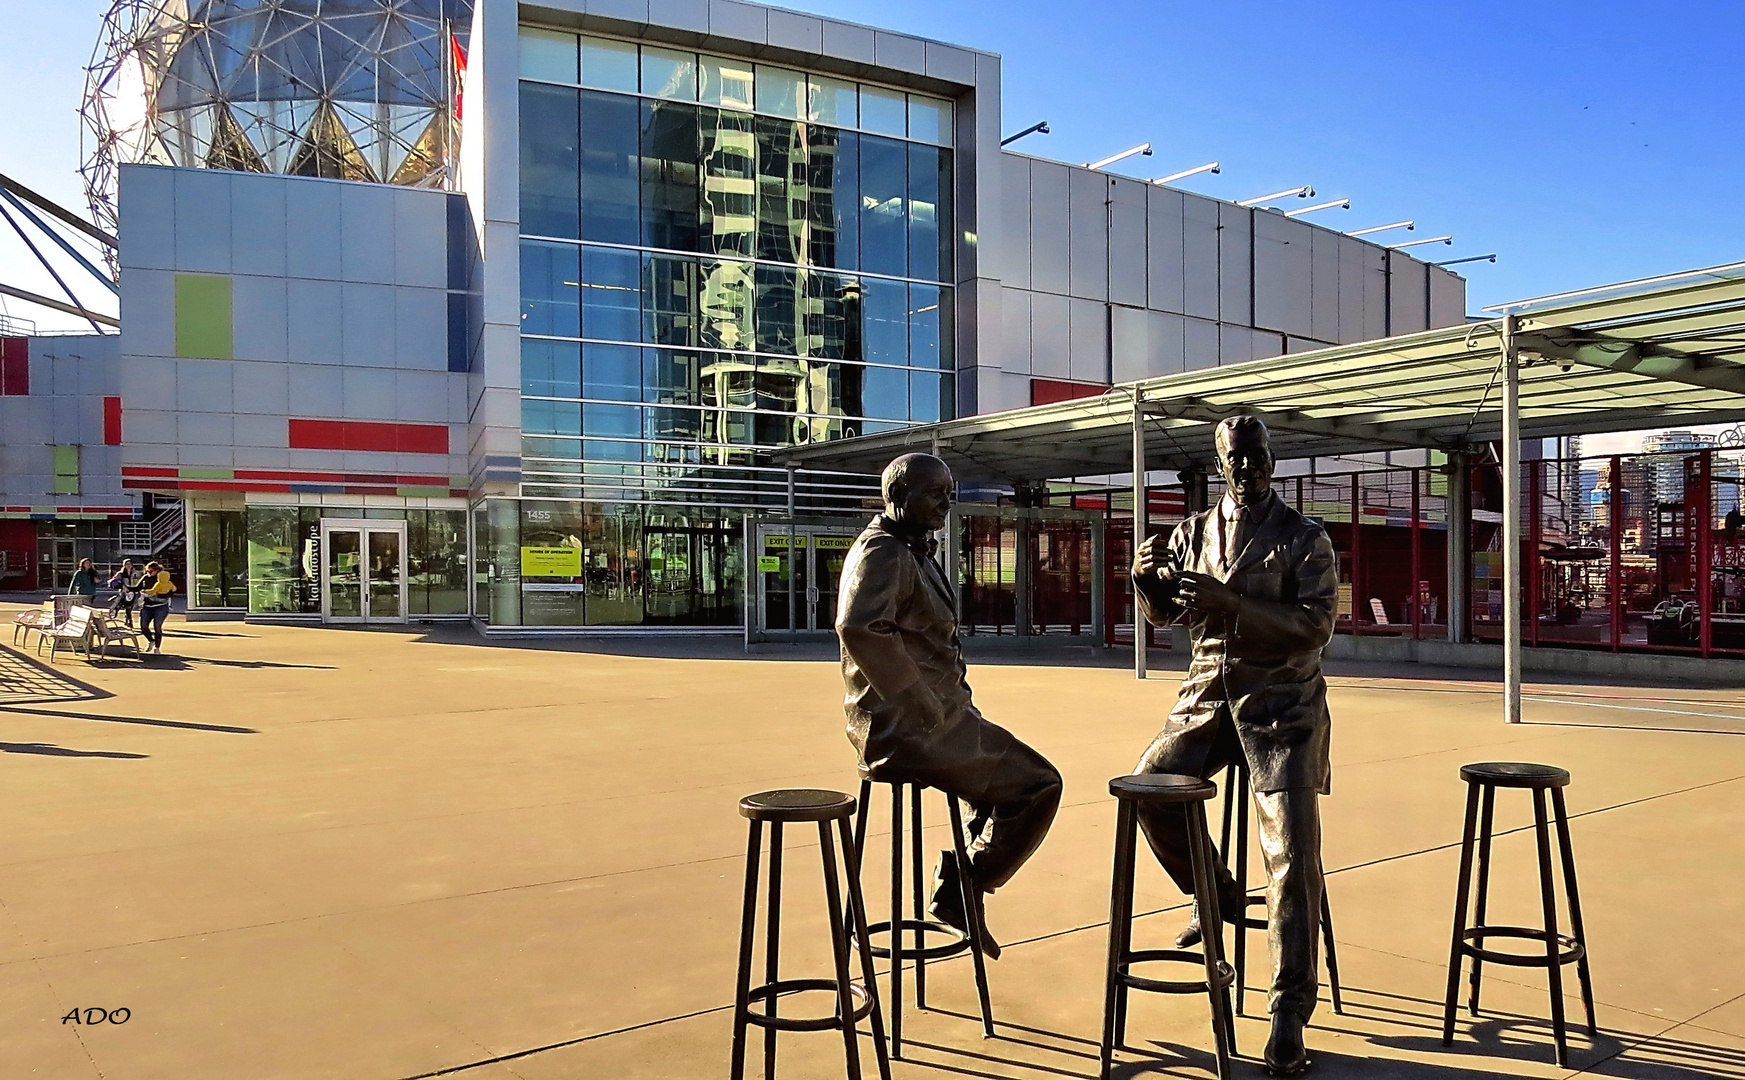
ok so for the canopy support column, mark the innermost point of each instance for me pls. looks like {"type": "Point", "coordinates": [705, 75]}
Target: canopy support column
{"type": "Point", "coordinates": [1459, 504]}
{"type": "Point", "coordinates": [1511, 543]}
{"type": "Point", "coordinates": [1141, 516]}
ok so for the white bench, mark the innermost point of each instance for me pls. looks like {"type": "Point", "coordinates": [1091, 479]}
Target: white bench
{"type": "Point", "coordinates": [75, 633]}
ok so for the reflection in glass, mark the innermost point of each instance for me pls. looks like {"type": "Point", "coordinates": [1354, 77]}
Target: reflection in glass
{"type": "Point", "coordinates": [930, 119]}
{"type": "Point", "coordinates": [612, 372]}
{"type": "Point", "coordinates": [725, 82]}
{"type": "Point", "coordinates": [547, 54]}
{"type": "Point", "coordinates": [781, 385]}
{"type": "Point", "coordinates": [500, 551]}
{"type": "Point", "coordinates": [671, 377]}
{"type": "Point", "coordinates": [929, 207]}
{"type": "Point", "coordinates": [781, 92]}
{"type": "Point", "coordinates": [550, 289]}
{"type": "Point", "coordinates": [883, 111]}
{"type": "Point", "coordinates": [928, 397]}
{"type": "Point", "coordinates": [612, 564]}
{"type": "Point", "coordinates": [833, 102]}
{"type": "Point", "coordinates": [669, 175]}
{"type": "Point", "coordinates": [551, 368]}
{"type": "Point", "coordinates": [669, 74]}
{"type": "Point", "coordinates": [610, 166]}
{"type": "Point", "coordinates": [614, 422]}
{"type": "Point", "coordinates": [345, 574]}
{"type": "Point", "coordinates": [781, 190]}
{"type": "Point", "coordinates": [727, 290]}
{"type": "Point", "coordinates": [833, 206]}
{"type": "Point", "coordinates": [384, 572]}
{"type": "Point", "coordinates": [884, 242]}
{"type": "Point", "coordinates": [884, 321]}
{"type": "Point", "coordinates": [832, 316]}
{"type": "Point", "coordinates": [551, 417]}
{"type": "Point", "coordinates": [550, 122]}
{"type": "Point", "coordinates": [925, 343]}
{"type": "Point", "coordinates": [885, 393]}
{"type": "Point", "coordinates": [608, 65]}
{"type": "Point", "coordinates": [780, 328]}
{"type": "Point", "coordinates": [611, 294]}
{"type": "Point", "coordinates": [728, 149]}
{"type": "Point", "coordinates": [670, 287]}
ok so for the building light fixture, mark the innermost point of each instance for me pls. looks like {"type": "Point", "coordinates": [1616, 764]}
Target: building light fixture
{"type": "Point", "coordinates": [1470, 258]}
{"type": "Point", "coordinates": [1420, 243]}
{"type": "Point", "coordinates": [1304, 192]}
{"type": "Point", "coordinates": [1143, 149]}
{"type": "Point", "coordinates": [1039, 128]}
{"type": "Point", "coordinates": [1209, 167]}
{"type": "Point", "coordinates": [1409, 226]}
{"type": "Point", "coordinates": [1343, 204]}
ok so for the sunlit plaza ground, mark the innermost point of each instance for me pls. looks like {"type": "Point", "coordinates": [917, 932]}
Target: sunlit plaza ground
{"type": "Point", "coordinates": [380, 855]}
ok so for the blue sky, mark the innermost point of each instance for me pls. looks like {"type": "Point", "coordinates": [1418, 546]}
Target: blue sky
{"type": "Point", "coordinates": [1583, 142]}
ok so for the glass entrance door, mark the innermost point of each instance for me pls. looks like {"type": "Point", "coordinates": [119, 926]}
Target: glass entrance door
{"type": "Point", "coordinates": [363, 571]}
{"type": "Point", "coordinates": [798, 569]}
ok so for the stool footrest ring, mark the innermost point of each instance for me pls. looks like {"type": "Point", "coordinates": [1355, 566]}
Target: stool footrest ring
{"type": "Point", "coordinates": [1226, 973]}
{"type": "Point", "coordinates": [1471, 943]}
{"type": "Point", "coordinates": [959, 940]}
{"type": "Point", "coordinates": [768, 991]}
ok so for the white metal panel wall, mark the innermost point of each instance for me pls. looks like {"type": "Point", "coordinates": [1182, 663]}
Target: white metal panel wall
{"type": "Point", "coordinates": [1127, 236]}
{"type": "Point", "coordinates": [1408, 294]}
{"type": "Point", "coordinates": [1235, 282]}
{"type": "Point", "coordinates": [1015, 334]}
{"type": "Point", "coordinates": [1050, 336]}
{"type": "Point", "coordinates": [1015, 221]}
{"type": "Point", "coordinates": [1088, 194]}
{"type": "Point", "coordinates": [1090, 341]}
{"type": "Point", "coordinates": [1282, 263]}
{"type": "Point", "coordinates": [1200, 257]}
{"type": "Point", "coordinates": [1049, 232]}
{"type": "Point", "coordinates": [1447, 298]}
{"type": "Point", "coordinates": [1324, 299]}
{"type": "Point", "coordinates": [1165, 260]}
{"type": "Point", "coordinates": [1129, 343]}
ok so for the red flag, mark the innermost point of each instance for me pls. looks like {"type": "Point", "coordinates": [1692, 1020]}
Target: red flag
{"type": "Point", "coordinates": [460, 70]}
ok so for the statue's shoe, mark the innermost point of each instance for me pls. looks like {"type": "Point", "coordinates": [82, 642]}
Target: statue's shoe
{"type": "Point", "coordinates": [1192, 934]}
{"type": "Point", "coordinates": [1286, 1056]}
{"type": "Point", "coordinates": [947, 904]}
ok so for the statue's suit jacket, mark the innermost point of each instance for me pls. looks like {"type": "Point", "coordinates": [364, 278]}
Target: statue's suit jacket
{"type": "Point", "coordinates": [1264, 660]}
{"type": "Point", "coordinates": [897, 623]}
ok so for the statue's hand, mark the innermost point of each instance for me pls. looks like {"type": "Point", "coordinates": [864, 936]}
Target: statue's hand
{"type": "Point", "coordinates": [1202, 592]}
{"type": "Point", "coordinates": [1153, 557]}
{"type": "Point", "coordinates": [922, 706]}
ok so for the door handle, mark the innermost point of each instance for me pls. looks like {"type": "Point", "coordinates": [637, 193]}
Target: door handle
{"type": "Point", "coordinates": [812, 595]}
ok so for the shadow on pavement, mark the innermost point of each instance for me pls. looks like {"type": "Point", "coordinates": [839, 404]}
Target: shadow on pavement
{"type": "Point", "coordinates": [50, 750]}
{"type": "Point", "coordinates": [144, 721]}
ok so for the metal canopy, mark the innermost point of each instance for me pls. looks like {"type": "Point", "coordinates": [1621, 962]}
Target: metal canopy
{"type": "Point", "coordinates": [1657, 353]}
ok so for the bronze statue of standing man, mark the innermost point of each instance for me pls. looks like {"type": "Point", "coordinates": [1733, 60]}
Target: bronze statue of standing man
{"type": "Point", "coordinates": [909, 710]}
{"type": "Point", "coordinates": [1256, 583]}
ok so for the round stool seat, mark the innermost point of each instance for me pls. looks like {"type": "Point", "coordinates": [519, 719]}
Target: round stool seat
{"type": "Point", "coordinates": [1514, 774]}
{"type": "Point", "coordinates": [796, 804]}
{"type": "Point", "coordinates": [1162, 788]}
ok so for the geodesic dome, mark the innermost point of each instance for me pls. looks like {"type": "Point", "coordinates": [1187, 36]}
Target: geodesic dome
{"type": "Point", "coordinates": [347, 89]}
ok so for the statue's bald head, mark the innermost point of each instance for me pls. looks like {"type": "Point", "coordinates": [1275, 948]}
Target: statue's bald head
{"type": "Point", "coordinates": [918, 491]}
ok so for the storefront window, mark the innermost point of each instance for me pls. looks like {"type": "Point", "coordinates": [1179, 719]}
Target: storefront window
{"type": "Point", "coordinates": [283, 559]}
{"type": "Point", "coordinates": [500, 556]}
{"type": "Point", "coordinates": [220, 559]}
{"type": "Point", "coordinates": [436, 562]}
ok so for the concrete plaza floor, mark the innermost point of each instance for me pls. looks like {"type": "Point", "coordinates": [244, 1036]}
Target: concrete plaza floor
{"type": "Point", "coordinates": [295, 852]}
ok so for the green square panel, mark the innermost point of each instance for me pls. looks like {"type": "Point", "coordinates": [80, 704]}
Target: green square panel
{"type": "Point", "coordinates": [66, 459]}
{"type": "Point", "coordinates": [203, 317]}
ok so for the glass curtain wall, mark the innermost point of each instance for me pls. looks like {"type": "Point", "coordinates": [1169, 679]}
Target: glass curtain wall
{"type": "Point", "coordinates": [282, 562]}
{"type": "Point", "coordinates": [718, 258]}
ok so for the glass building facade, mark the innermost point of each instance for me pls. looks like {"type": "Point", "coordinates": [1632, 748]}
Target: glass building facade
{"type": "Point", "coordinates": [719, 258]}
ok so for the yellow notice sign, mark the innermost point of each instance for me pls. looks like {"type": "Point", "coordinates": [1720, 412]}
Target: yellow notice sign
{"type": "Point", "coordinates": [835, 543]}
{"type": "Point", "coordinates": [563, 562]}
{"type": "Point", "coordinates": [769, 564]}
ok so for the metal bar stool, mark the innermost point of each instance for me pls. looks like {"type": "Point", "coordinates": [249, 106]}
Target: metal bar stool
{"type": "Point", "coordinates": [921, 952]}
{"type": "Point", "coordinates": [1236, 803]}
{"type": "Point", "coordinates": [1482, 781]}
{"type": "Point", "coordinates": [779, 808]}
{"type": "Point", "coordinates": [1191, 794]}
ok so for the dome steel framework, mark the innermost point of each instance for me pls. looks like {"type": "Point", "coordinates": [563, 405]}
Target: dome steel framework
{"type": "Point", "coordinates": [346, 89]}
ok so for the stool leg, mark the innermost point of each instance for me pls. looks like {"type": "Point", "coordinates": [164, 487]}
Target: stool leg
{"type": "Point", "coordinates": [897, 920]}
{"type": "Point", "coordinates": [1460, 898]}
{"type": "Point", "coordinates": [839, 952]}
{"type": "Point", "coordinates": [1548, 897]}
{"type": "Point", "coordinates": [1212, 948]}
{"type": "Point", "coordinates": [773, 921]}
{"type": "Point", "coordinates": [1487, 814]}
{"type": "Point", "coordinates": [860, 813]}
{"type": "Point", "coordinates": [1331, 947]}
{"type": "Point", "coordinates": [1575, 926]}
{"type": "Point", "coordinates": [1229, 810]}
{"type": "Point", "coordinates": [869, 977]}
{"type": "Point", "coordinates": [1120, 927]}
{"type": "Point", "coordinates": [972, 913]}
{"type": "Point", "coordinates": [918, 887]}
{"type": "Point", "coordinates": [747, 927]}
{"type": "Point", "coordinates": [1239, 792]}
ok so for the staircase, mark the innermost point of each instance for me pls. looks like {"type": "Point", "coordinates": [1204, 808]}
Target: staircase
{"type": "Point", "coordinates": [163, 537]}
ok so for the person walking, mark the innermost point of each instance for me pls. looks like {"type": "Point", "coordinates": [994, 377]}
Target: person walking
{"type": "Point", "coordinates": [154, 606]}
{"type": "Point", "coordinates": [85, 582]}
{"type": "Point", "coordinates": [126, 585]}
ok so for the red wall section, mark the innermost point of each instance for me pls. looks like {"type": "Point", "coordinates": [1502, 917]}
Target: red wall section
{"type": "Point", "coordinates": [19, 537]}
{"type": "Point", "coordinates": [111, 421]}
{"type": "Point", "coordinates": [369, 435]}
{"type": "Point", "coordinates": [1049, 391]}
{"type": "Point", "coordinates": [14, 366]}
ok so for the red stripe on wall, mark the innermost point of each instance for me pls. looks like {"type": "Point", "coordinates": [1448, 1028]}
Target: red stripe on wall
{"type": "Point", "coordinates": [148, 470]}
{"type": "Point", "coordinates": [111, 421]}
{"type": "Point", "coordinates": [369, 435]}
{"type": "Point", "coordinates": [14, 366]}
{"type": "Point", "coordinates": [1049, 391]}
